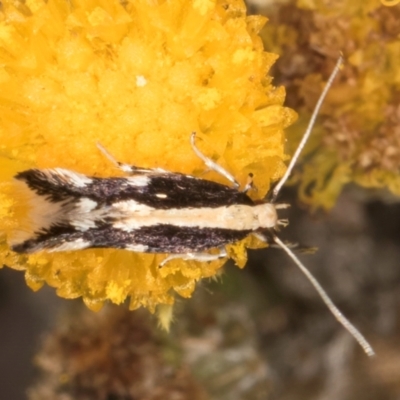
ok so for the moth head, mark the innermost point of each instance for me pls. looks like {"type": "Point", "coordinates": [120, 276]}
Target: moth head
{"type": "Point", "coordinates": [267, 216]}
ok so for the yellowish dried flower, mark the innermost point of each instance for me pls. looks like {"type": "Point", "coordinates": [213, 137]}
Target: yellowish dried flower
{"type": "Point", "coordinates": [357, 138]}
{"type": "Point", "coordinates": [138, 76]}
{"type": "Point", "coordinates": [390, 3]}
{"type": "Point", "coordinates": [110, 355]}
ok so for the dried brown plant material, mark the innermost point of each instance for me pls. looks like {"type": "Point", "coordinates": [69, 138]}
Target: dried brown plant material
{"type": "Point", "coordinates": [107, 356]}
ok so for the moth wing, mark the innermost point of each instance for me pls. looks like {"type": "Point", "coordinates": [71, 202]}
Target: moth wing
{"type": "Point", "coordinates": [64, 203]}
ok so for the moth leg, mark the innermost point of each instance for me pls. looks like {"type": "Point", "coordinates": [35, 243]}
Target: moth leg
{"type": "Point", "coordinates": [249, 184]}
{"type": "Point", "coordinates": [213, 166]}
{"type": "Point", "coordinates": [291, 245]}
{"type": "Point", "coordinates": [204, 257]}
{"type": "Point", "coordinates": [130, 169]}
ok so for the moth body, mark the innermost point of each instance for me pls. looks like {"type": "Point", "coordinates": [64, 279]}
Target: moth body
{"type": "Point", "coordinates": [159, 212]}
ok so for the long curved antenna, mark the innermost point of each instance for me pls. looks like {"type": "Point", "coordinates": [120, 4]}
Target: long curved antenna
{"type": "Point", "coordinates": [307, 133]}
{"type": "Point", "coordinates": [329, 303]}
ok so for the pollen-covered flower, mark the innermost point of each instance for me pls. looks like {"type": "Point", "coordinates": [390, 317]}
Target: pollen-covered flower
{"type": "Point", "coordinates": [139, 77]}
{"type": "Point", "coordinates": [357, 138]}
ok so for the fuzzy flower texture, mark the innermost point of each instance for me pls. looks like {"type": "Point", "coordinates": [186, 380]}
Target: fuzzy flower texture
{"type": "Point", "coordinates": [138, 76]}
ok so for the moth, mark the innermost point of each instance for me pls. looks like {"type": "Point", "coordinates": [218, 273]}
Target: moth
{"type": "Point", "coordinates": [158, 211]}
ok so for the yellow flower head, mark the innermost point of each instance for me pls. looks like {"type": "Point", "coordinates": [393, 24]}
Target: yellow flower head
{"type": "Point", "coordinates": [138, 76]}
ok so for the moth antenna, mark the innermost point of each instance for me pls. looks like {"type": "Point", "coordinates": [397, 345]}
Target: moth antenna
{"type": "Point", "coordinates": [107, 154]}
{"type": "Point", "coordinates": [327, 300]}
{"type": "Point", "coordinates": [307, 133]}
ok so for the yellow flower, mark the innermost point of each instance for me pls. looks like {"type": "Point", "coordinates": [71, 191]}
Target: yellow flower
{"type": "Point", "coordinates": [138, 76]}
